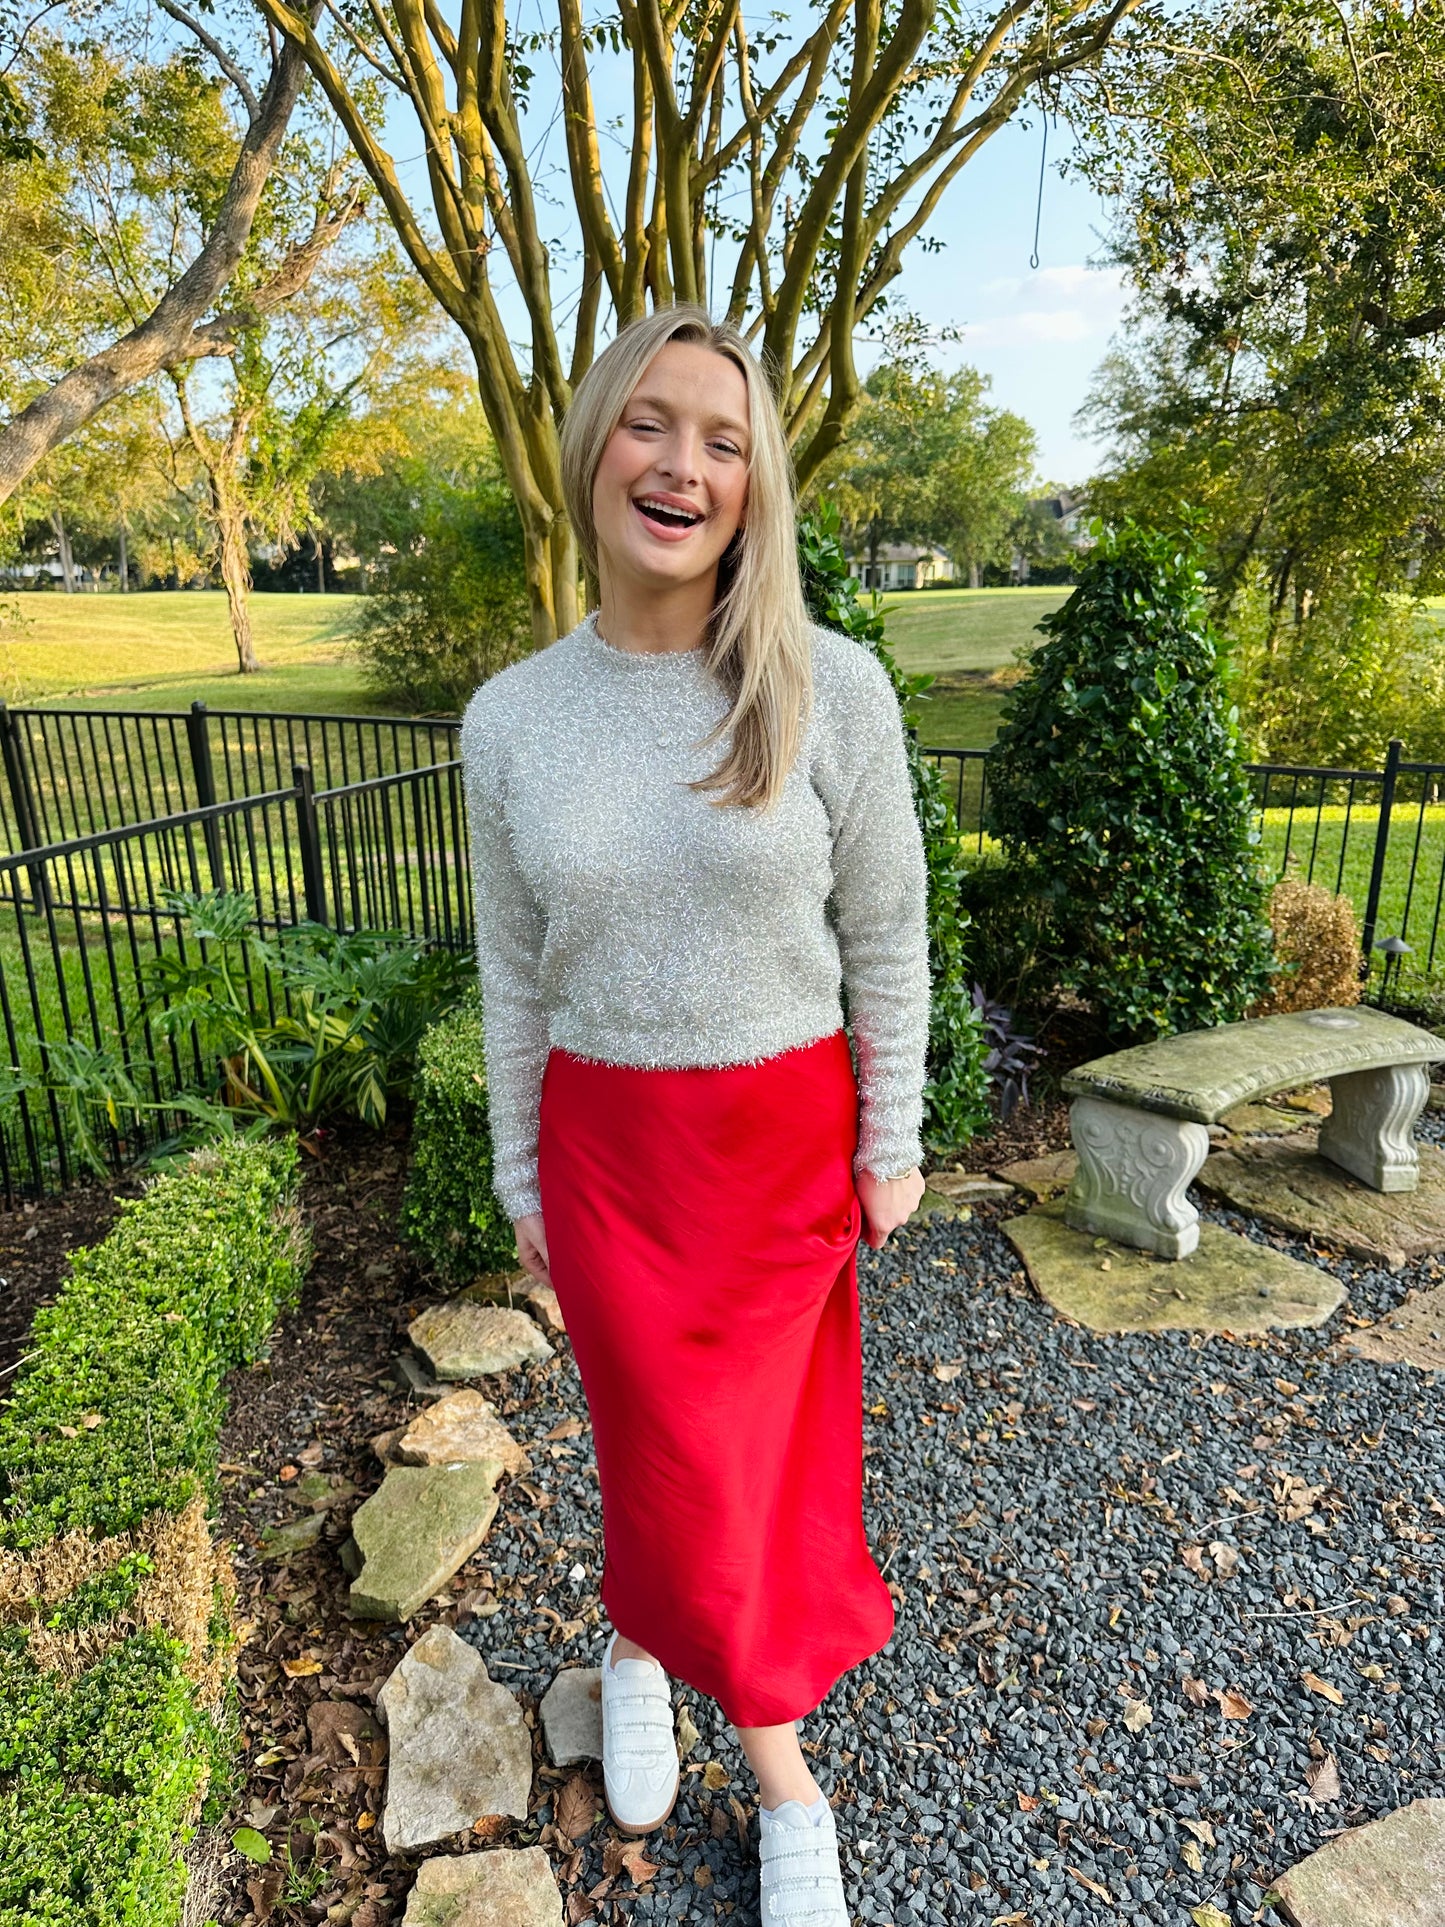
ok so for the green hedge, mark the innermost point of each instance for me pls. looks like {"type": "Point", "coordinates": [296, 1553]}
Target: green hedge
{"type": "Point", "coordinates": [111, 1730]}
{"type": "Point", "coordinates": [449, 1210]}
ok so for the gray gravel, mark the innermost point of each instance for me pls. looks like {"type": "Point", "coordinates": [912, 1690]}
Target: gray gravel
{"type": "Point", "coordinates": [1033, 1510]}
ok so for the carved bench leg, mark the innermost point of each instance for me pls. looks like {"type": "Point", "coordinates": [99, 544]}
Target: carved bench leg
{"type": "Point", "coordinates": [1370, 1131]}
{"type": "Point", "coordinates": [1134, 1168]}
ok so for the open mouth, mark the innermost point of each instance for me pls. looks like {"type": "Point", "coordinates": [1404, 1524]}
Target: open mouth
{"type": "Point", "coordinates": [663, 515]}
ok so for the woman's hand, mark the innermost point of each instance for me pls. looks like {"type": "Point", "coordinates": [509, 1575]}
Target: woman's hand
{"type": "Point", "coordinates": [886, 1205]}
{"type": "Point", "coordinates": [532, 1245]}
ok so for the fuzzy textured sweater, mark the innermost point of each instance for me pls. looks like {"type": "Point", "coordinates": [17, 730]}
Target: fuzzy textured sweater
{"type": "Point", "coordinates": [626, 918]}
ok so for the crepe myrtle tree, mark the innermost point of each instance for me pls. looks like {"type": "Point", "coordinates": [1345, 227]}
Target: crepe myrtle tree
{"type": "Point", "coordinates": [816, 155]}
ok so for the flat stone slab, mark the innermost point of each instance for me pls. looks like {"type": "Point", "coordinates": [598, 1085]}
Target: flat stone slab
{"type": "Point", "coordinates": [1261, 1120]}
{"type": "Point", "coordinates": [416, 1532]}
{"type": "Point", "coordinates": [1412, 1334]}
{"type": "Point", "coordinates": [464, 1339]}
{"type": "Point", "coordinates": [509, 1887]}
{"type": "Point", "coordinates": [937, 1204]}
{"type": "Point", "coordinates": [1042, 1178]}
{"type": "Point", "coordinates": [971, 1187]}
{"type": "Point", "coordinates": [1228, 1284]}
{"type": "Point", "coordinates": [541, 1301]}
{"type": "Point", "coordinates": [1390, 1873]}
{"type": "Point", "coordinates": [1201, 1074]}
{"type": "Point", "coordinates": [497, 1287]}
{"type": "Point", "coordinates": [462, 1428]}
{"type": "Point", "coordinates": [1284, 1182]}
{"type": "Point", "coordinates": [572, 1716]}
{"type": "Point", "coordinates": [299, 1535]}
{"type": "Point", "coordinates": [458, 1746]}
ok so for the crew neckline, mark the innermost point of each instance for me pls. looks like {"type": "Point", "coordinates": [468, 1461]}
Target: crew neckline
{"type": "Point", "coordinates": [647, 657]}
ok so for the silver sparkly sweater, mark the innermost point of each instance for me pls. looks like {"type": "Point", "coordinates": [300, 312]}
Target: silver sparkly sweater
{"type": "Point", "coordinates": [626, 918]}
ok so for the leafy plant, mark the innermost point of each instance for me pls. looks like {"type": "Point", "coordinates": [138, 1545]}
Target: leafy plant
{"type": "Point", "coordinates": [356, 1007]}
{"type": "Point", "coordinates": [1119, 789]}
{"type": "Point", "coordinates": [955, 1096]}
{"type": "Point", "coordinates": [1011, 1056]}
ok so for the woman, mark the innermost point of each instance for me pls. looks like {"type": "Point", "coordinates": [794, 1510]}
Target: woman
{"type": "Point", "coordinates": [692, 829]}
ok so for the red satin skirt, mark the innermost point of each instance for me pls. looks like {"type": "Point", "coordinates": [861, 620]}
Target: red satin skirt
{"type": "Point", "coordinates": [702, 1229]}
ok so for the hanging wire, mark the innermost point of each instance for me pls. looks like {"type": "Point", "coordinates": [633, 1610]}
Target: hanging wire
{"type": "Point", "coordinates": [1043, 163]}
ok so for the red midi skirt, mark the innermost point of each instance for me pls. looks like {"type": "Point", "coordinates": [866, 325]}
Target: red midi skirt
{"type": "Point", "coordinates": [702, 1228]}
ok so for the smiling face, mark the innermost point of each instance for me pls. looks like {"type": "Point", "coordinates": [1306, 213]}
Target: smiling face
{"type": "Point", "coordinates": [671, 488]}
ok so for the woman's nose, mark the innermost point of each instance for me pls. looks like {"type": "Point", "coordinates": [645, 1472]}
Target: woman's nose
{"type": "Point", "coordinates": [681, 457]}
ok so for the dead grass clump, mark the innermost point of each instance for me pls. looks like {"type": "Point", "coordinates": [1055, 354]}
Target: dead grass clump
{"type": "Point", "coordinates": [1317, 941]}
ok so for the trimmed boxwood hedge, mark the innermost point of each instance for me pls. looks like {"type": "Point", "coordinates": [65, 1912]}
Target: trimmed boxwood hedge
{"type": "Point", "coordinates": [116, 1708]}
{"type": "Point", "coordinates": [450, 1211]}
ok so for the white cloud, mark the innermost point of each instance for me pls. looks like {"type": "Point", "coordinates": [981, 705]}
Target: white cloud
{"type": "Point", "coordinates": [1068, 303]}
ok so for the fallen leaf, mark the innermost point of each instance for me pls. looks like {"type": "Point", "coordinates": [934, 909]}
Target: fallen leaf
{"type": "Point", "coordinates": [947, 1373]}
{"type": "Point", "coordinates": [300, 1668]}
{"type": "Point", "coordinates": [1226, 1559]}
{"type": "Point", "coordinates": [1322, 1777]}
{"type": "Point", "coordinates": [576, 1808]}
{"type": "Point", "coordinates": [568, 1428]}
{"type": "Point", "coordinates": [1027, 1803]}
{"type": "Point", "coordinates": [579, 1908]}
{"type": "Point", "coordinates": [1092, 1885]}
{"type": "Point", "coordinates": [1323, 1688]}
{"type": "Point", "coordinates": [1207, 1916]}
{"type": "Point", "coordinates": [1195, 1691]}
{"type": "Point", "coordinates": [1201, 1830]}
{"type": "Point", "coordinates": [1191, 1856]}
{"type": "Point", "coordinates": [703, 1875]}
{"type": "Point", "coordinates": [288, 1473]}
{"type": "Point", "coordinates": [687, 1734]}
{"type": "Point", "coordinates": [1193, 1557]}
{"type": "Point", "coordinates": [255, 1846]}
{"type": "Point", "coordinates": [715, 1776]}
{"type": "Point", "coordinates": [1137, 1715]}
{"type": "Point", "coordinates": [633, 1859]}
{"type": "Point", "coordinates": [1233, 1705]}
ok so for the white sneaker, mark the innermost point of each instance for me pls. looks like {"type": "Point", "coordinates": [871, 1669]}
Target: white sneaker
{"type": "Point", "coordinates": [640, 1768]}
{"type": "Point", "coordinates": [801, 1882]}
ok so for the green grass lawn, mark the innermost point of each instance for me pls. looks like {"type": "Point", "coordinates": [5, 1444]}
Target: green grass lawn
{"type": "Point", "coordinates": [162, 649]}
{"type": "Point", "coordinates": [964, 637]}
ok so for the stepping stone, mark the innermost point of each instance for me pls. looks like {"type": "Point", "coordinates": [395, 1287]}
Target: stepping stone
{"type": "Point", "coordinates": [935, 1204]}
{"type": "Point", "coordinates": [497, 1287]}
{"type": "Point", "coordinates": [1228, 1284]}
{"type": "Point", "coordinates": [416, 1532]}
{"type": "Point", "coordinates": [572, 1716]}
{"type": "Point", "coordinates": [459, 1748]}
{"type": "Point", "coordinates": [1390, 1873]}
{"type": "Point", "coordinates": [1283, 1182]}
{"type": "Point", "coordinates": [541, 1301]}
{"type": "Point", "coordinates": [1042, 1178]}
{"type": "Point", "coordinates": [1412, 1334]}
{"type": "Point", "coordinates": [462, 1339]}
{"type": "Point", "coordinates": [412, 1376]}
{"type": "Point", "coordinates": [1260, 1120]}
{"type": "Point", "coordinates": [971, 1187]}
{"type": "Point", "coordinates": [509, 1887]}
{"type": "Point", "coordinates": [460, 1429]}
{"type": "Point", "coordinates": [283, 1542]}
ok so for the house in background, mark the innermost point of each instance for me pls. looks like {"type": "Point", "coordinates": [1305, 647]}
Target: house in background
{"type": "Point", "coordinates": [901, 565]}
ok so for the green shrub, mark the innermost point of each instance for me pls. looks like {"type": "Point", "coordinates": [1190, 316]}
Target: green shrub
{"type": "Point", "coordinates": [449, 1210]}
{"type": "Point", "coordinates": [186, 1285]}
{"type": "Point", "coordinates": [1013, 933]}
{"type": "Point", "coordinates": [105, 1760]}
{"type": "Point", "coordinates": [1118, 788]}
{"type": "Point", "coordinates": [955, 1095]}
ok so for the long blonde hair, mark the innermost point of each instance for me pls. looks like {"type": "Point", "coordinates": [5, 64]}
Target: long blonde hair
{"type": "Point", "coordinates": [757, 638]}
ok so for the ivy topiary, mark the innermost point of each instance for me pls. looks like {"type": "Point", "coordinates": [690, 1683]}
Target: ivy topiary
{"type": "Point", "coordinates": [956, 1093]}
{"type": "Point", "coordinates": [1118, 786]}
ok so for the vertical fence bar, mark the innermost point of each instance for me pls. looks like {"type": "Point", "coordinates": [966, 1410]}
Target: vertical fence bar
{"type": "Point", "coordinates": [12, 746]}
{"type": "Point", "coordinates": [313, 874]}
{"type": "Point", "coordinates": [198, 737]}
{"type": "Point", "coordinates": [1382, 844]}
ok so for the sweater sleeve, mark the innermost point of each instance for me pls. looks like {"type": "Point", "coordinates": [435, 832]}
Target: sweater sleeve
{"type": "Point", "coordinates": [880, 910]}
{"type": "Point", "coordinates": [510, 928]}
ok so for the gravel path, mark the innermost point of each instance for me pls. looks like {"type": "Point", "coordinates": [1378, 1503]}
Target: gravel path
{"type": "Point", "coordinates": [1026, 1748]}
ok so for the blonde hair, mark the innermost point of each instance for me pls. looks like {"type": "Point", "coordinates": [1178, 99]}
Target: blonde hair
{"type": "Point", "coordinates": [758, 633]}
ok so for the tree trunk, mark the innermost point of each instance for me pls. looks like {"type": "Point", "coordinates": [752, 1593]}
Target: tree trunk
{"type": "Point", "coordinates": [320, 566]}
{"type": "Point", "coordinates": [124, 563]}
{"type": "Point", "coordinates": [235, 572]}
{"type": "Point", "coordinates": [973, 582]}
{"type": "Point", "coordinates": [67, 560]}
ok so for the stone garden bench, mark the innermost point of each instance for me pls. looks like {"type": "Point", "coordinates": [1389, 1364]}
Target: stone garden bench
{"type": "Point", "coordinates": [1138, 1117]}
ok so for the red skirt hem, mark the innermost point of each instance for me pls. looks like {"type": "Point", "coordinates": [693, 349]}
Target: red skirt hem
{"type": "Point", "coordinates": [702, 1228]}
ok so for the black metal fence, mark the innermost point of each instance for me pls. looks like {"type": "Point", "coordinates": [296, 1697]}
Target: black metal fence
{"type": "Point", "coordinates": [1375, 836]}
{"type": "Point", "coordinates": [379, 842]}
